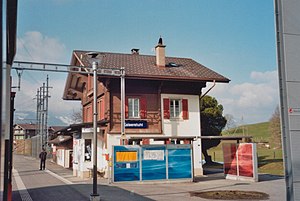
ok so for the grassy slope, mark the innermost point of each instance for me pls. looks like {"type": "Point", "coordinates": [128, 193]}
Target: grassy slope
{"type": "Point", "coordinates": [269, 159]}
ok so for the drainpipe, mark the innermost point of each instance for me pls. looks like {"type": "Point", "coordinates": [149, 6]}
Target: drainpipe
{"type": "Point", "coordinates": [208, 90]}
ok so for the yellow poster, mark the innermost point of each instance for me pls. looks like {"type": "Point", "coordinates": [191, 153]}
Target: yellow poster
{"type": "Point", "coordinates": [126, 156]}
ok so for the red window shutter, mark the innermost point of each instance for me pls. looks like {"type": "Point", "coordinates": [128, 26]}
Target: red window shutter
{"type": "Point", "coordinates": [185, 111]}
{"type": "Point", "coordinates": [126, 108]}
{"type": "Point", "coordinates": [166, 103]}
{"type": "Point", "coordinates": [143, 108]}
{"type": "Point", "coordinates": [99, 110]}
{"type": "Point", "coordinates": [102, 108]}
{"type": "Point", "coordinates": [84, 115]}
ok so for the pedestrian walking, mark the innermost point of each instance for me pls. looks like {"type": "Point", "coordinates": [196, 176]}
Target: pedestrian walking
{"type": "Point", "coordinates": [43, 156]}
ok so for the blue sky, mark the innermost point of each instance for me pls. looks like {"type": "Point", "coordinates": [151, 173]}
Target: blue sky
{"type": "Point", "coordinates": [236, 38]}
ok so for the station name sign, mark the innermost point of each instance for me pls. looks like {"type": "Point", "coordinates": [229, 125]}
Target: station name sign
{"type": "Point", "coordinates": [136, 124]}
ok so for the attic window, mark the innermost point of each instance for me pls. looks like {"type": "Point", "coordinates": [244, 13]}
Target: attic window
{"type": "Point", "coordinates": [92, 54]}
{"type": "Point", "coordinates": [172, 64]}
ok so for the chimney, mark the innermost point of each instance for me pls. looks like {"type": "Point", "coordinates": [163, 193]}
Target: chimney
{"type": "Point", "coordinates": [160, 53]}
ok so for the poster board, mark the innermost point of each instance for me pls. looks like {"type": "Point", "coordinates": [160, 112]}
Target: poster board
{"type": "Point", "coordinates": [152, 162]}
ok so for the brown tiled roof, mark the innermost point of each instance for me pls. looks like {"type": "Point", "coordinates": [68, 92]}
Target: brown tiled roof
{"type": "Point", "coordinates": [35, 127]}
{"type": "Point", "coordinates": [60, 139]}
{"type": "Point", "coordinates": [56, 128]}
{"type": "Point", "coordinates": [28, 126]}
{"type": "Point", "coordinates": [143, 66]}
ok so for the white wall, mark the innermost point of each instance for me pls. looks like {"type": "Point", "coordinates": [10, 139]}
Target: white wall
{"type": "Point", "coordinates": [176, 127]}
{"type": "Point", "coordinates": [80, 165]}
{"type": "Point", "coordinates": [84, 165]}
{"type": "Point", "coordinates": [60, 157]}
{"type": "Point", "coordinates": [189, 127]}
{"type": "Point", "coordinates": [180, 127]}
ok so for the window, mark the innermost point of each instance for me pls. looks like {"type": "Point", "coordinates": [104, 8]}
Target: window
{"type": "Point", "coordinates": [87, 149]}
{"type": "Point", "coordinates": [88, 113]}
{"type": "Point", "coordinates": [175, 108]}
{"type": "Point", "coordinates": [136, 107]}
{"type": "Point", "coordinates": [133, 107]}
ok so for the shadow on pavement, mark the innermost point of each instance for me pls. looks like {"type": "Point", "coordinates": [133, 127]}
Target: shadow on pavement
{"type": "Point", "coordinates": [79, 192]}
{"type": "Point", "coordinates": [217, 174]}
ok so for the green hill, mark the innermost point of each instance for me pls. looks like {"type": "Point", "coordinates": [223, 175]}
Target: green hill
{"type": "Point", "coordinates": [259, 132]}
{"type": "Point", "coordinates": [269, 159]}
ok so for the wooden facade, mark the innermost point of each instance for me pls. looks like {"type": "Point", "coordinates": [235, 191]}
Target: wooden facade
{"type": "Point", "coordinates": [147, 91]}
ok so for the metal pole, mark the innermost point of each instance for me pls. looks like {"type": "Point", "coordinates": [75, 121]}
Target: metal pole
{"type": "Point", "coordinates": [7, 129]}
{"type": "Point", "coordinates": [11, 139]}
{"type": "Point", "coordinates": [123, 135]}
{"type": "Point", "coordinates": [40, 124]}
{"type": "Point", "coordinates": [37, 112]}
{"type": "Point", "coordinates": [283, 93]}
{"type": "Point", "coordinates": [46, 111]}
{"type": "Point", "coordinates": [95, 196]}
{"type": "Point", "coordinates": [43, 117]}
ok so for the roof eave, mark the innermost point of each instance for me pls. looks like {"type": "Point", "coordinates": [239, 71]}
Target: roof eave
{"type": "Point", "coordinates": [173, 78]}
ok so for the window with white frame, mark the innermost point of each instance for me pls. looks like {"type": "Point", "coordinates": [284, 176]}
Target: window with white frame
{"type": "Point", "coordinates": [133, 107]}
{"type": "Point", "coordinates": [175, 108]}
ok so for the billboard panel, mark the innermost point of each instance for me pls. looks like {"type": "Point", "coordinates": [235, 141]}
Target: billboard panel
{"type": "Point", "coordinates": [240, 161]}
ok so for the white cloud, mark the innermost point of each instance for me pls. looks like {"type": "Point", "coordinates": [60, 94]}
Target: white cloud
{"type": "Point", "coordinates": [65, 119]}
{"type": "Point", "coordinates": [56, 103]}
{"type": "Point", "coordinates": [34, 46]}
{"type": "Point", "coordinates": [268, 76]}
{"type": "Point", "coordinates": [252, 101]}
{"type": "Point", "coordinates": [26, 102]}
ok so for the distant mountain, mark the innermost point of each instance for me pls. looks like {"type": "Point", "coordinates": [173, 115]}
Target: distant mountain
{"type": "Point", "coordinates": [30, 117]}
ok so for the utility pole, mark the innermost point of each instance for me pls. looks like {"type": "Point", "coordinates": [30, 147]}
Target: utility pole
{"type": "Point", "coordinates": [46, 105]}
{"type": "Point", "coordinates": [37, 111]}
{"type": "Point", "coordinates": [42, 113]}
{"type": "Point", "coordinates": [96, 72]}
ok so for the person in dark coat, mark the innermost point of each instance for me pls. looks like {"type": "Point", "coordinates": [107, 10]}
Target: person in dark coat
{"type": "Point", "coordinates": [43, 156]}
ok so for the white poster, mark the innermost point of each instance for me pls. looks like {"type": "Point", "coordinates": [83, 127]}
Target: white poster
{"type": "Point", "coordinates": [154, 155]}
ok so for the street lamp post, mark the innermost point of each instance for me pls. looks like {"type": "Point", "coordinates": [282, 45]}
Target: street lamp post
{"type": "Point", "coordinates": [123, 135]}
{"type": "Point", "coordinates": [95, 196]}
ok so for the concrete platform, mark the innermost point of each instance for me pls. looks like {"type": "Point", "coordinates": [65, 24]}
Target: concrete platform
{"type": "Point", "coordinates": [58, 183]}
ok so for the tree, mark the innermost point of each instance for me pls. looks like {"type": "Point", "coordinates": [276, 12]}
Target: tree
{"type": "Point", "coordinates": [212, 123]}
{"type": "Point", "coordinates": [275, 128]}
{"type": "Point", "coordinates": [76, 116]}
{"type": "Point", "coordinates": [230, 123]}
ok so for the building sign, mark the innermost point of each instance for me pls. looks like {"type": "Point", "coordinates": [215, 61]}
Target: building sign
{"type": "Point", "coordinates": [135, 124]}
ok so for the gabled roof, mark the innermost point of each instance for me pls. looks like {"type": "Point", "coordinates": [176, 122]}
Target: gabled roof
{"type": "Point", "coordinates": [138, 67]}
{"type": "Point", "coordinates": [27, 126]}
{"type": "Point", "coordinates": [60, 139]}
{"type": "Point", "coordinates": [56, 128]}
{"type": "Point", "coordinates": [35, 127]}
{"type": "Point", "coordinates": [143, 66]}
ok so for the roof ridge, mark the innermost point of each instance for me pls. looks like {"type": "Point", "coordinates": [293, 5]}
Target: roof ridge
{"type": "Point", "coordinates": [130, 54]}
